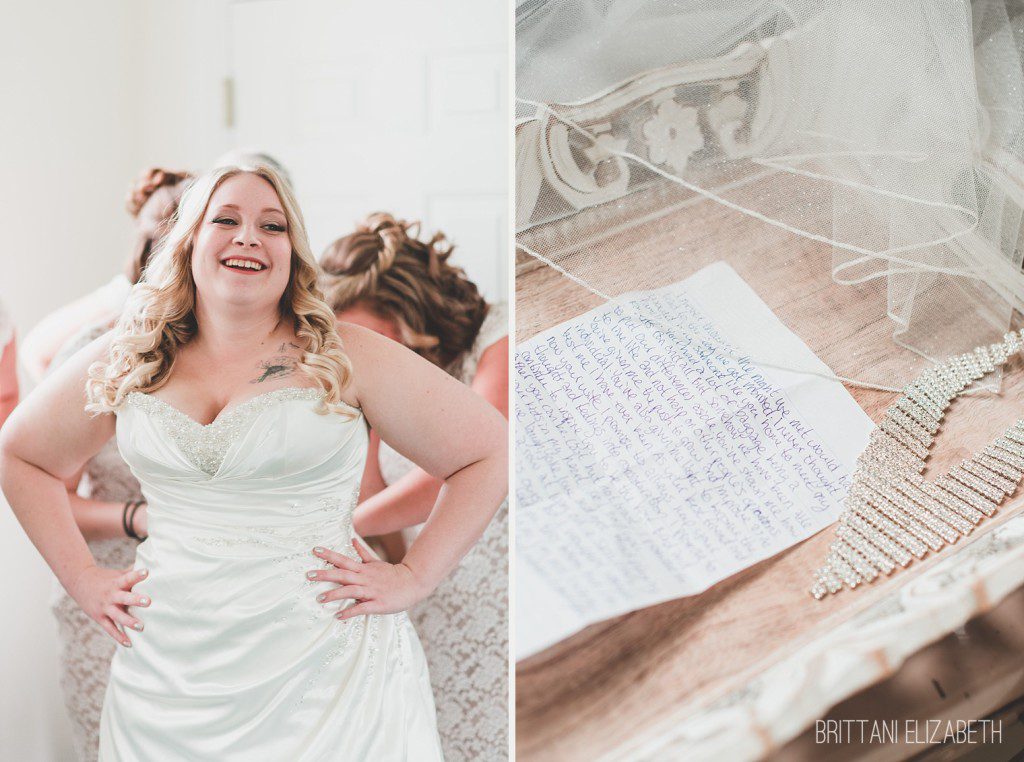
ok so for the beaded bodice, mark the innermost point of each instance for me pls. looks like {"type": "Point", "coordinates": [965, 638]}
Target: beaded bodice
{"type": "Point", "coordinates": [206, 445]}
{"type": "Point", "coordinates": [279, 459]}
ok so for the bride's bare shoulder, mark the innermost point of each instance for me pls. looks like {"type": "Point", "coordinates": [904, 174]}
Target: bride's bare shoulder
{"type": "Point", "coordinates": [361, 344]}
{"type": "Point", "coordinates": [376, 360]}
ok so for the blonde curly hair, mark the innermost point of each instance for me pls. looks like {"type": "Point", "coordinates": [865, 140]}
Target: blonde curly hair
{"type": "Point", "coordinates": [160, 314]}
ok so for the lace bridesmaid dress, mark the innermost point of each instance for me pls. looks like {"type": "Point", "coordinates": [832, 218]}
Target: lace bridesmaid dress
{"type": "Point", "coordinates": [238, 661]}
{"type": "Point", "coordinates": [84, 649]}
{"type": "Point", "coordinates": [464, 625]}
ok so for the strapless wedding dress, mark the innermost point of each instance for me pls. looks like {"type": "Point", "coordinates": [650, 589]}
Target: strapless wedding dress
{"type": "Point", "coordinates": [237, 659]}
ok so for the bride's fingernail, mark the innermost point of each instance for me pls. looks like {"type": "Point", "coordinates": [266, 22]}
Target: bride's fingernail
{"type": "Point", "coordinates": [138, 626]}
{"type": "Point", "coordinates": [322, 597]}
{"type": "Point", "coordinates": [144, 572]}
{"type": "Point", "coordinates": [311, 575]}
{"type": "Point", "coordinates": [144, 601]}
{"type": "Point", "coordinates": [318, 550]}
{"type": "Point", "coordinates": [128, 644]}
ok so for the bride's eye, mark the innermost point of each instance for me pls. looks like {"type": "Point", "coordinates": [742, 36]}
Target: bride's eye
{"type": "Point", "coordinates": [275, 226]}
{"type": "Point", "coordinates": [223, 221]}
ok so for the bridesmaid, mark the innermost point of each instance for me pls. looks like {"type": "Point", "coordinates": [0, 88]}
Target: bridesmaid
{"type": "Point", "coordinates": [385, 278]}
{"type": "Point", "coordinates": [105, 501]}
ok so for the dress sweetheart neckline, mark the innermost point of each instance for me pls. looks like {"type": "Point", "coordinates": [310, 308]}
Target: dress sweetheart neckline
{"type": "Point", "coordinates": [227, 413]}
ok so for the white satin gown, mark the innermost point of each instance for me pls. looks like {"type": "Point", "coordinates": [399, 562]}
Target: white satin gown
{"type": "Point", "coordinates": [237, 659]}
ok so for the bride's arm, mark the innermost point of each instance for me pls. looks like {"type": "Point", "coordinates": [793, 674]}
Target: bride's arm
{"type": "Point", "coordinates": [451, 433]}
{"type": "Point", "coordinates": [45, 441]}
{"type": "Point", "coordinates": [410, 499]}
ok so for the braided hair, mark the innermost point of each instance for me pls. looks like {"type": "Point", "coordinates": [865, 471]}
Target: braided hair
{"type": "Point", "coordinates": [385, 266]}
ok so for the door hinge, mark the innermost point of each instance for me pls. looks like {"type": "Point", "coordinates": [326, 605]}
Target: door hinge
{"type": "Point", "coordinates": [229, 102]}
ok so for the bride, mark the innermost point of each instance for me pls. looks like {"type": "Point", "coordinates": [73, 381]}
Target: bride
{"type": "Point", "coordinates": [263, 627]}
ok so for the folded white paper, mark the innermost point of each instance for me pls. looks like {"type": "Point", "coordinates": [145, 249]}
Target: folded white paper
{"type": "Point", "coordinates": [654, 458]}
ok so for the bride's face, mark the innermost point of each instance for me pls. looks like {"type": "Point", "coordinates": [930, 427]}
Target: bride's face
{"type": "Point", "coordinates": [242, 253]}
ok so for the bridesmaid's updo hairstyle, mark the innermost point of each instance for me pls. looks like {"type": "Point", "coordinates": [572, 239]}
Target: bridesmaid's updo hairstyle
{"type": "Point", "coordinates": [160, 314]}
{"type": "Point", "coordinates": [387, 268]}
{"type": "Point", "coordinates": [152, 201]}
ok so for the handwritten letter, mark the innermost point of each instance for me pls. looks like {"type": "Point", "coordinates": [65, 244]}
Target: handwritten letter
{"type": "Point", "coordinates": [655, 459]}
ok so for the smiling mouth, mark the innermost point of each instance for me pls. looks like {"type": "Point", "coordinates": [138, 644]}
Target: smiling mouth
{"type": "Point", "coordinates": [243, 264]}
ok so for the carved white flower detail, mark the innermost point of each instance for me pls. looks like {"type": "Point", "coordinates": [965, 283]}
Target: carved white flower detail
{"type": "Point", "coordinates": [673, 135]}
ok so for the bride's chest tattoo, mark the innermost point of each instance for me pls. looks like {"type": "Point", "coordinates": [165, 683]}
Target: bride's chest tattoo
{"type": "Point", "coordinates": [281, 364]}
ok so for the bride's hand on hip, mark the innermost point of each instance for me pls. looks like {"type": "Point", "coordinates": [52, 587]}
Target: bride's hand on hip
{"type": "Point", "coordinates": [105, 594]}
{"type": "Point", "coordinates": [379, 587]}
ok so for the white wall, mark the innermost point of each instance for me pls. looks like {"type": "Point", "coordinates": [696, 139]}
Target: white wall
{"type": "Point", "coordinates": [68, 142]}
{"type": "Point", "coordinates": [181, 93]}
{"type": "Point", "coordinates": [92, 94]}
{"type": "Point", "coordinates": [394, 105]}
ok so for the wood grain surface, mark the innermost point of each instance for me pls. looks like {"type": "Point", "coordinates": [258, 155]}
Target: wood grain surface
{"type": "Point", "coordinates": [975, 672]}
{"type": "Point", "coordinates": [609, 682]}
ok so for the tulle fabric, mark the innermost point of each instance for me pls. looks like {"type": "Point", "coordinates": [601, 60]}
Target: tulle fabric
{"type": "Point", "coordinates": [885, 132]}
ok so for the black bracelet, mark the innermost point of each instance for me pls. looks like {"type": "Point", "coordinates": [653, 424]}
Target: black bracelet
{"type": "Point", "coordinates": [124, 518]}
{"type": "Point", "coordinates": [131, 519]}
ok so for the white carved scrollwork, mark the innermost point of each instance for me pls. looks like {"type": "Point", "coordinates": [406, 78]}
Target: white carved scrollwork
{"type": "Point", "coordinates": [582, 170]}
{"type": "Point", "coordinates": [583, 154]}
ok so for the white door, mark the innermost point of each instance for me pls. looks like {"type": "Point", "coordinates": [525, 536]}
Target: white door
{"type": "Point", "coordinates": [394, 105]}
